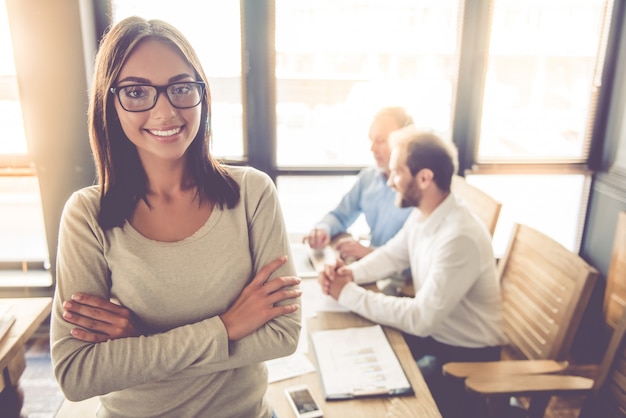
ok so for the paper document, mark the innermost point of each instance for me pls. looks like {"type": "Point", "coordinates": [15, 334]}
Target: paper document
{"type": "Point", "coordinates": [314, 300]}
{"type": "Point", "coordinates": [288, 367]}
{"type": "Point", "coordinates": [358, 362]}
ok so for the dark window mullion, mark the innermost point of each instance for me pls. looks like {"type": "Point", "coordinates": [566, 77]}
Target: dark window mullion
{"type": "Point", "coordinates": [474, 30]}
{"type": "Point", "coordinates": [259, 84]}
{"type": "Point", "coordinates": [602, 94]}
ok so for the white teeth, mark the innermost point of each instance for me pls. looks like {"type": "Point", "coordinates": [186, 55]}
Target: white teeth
{"type": "Point", "coordinates": [169, 132]}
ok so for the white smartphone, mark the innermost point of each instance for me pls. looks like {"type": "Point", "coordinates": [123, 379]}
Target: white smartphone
{"type": "Point", "coordinates": [302, 402]}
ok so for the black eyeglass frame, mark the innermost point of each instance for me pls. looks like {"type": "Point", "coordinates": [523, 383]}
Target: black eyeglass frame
{"type": "Point", "coordinates": [159, 89]}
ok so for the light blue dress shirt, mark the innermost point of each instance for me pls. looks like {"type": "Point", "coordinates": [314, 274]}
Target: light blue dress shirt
{"type": "Point", "coordinates": [370, 196]}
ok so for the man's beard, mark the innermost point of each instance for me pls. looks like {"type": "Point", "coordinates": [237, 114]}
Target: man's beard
{"type": "Point", "coordinates": [404, 200]}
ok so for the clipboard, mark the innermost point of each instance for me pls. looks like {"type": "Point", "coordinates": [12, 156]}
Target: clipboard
{"type": "Point", "coordinates": [358, 362]}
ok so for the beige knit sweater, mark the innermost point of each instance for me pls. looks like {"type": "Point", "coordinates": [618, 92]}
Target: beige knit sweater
{"type": "Point", "coordinates": [186, 367]}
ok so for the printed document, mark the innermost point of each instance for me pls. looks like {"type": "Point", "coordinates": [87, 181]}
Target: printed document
{"type": "Point", "coordinates": [357, 362]}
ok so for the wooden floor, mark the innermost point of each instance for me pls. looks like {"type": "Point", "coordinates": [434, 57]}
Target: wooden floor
{"type": "Point", "coordinates": [569, 406]}
{"type": "Point", "coordinates": [42, 396]}
{"type": "Point", "coordinates": [563, 407]}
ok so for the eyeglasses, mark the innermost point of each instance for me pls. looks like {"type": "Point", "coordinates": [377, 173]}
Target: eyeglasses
{"type": "Point", "coordinates": [142, 97]}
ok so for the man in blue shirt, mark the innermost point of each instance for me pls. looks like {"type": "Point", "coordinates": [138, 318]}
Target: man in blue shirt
{"type": "Point", "coordinates": [370, 195]}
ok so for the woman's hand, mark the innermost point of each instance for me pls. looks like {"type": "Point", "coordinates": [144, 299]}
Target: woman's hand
{"type": "Point", "coordinates": [99, 319]}
{"type": "Point", "coordinates": [257, 303]}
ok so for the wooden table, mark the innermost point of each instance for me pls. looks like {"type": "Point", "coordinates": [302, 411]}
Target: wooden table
{"type": "Point", "coordinates": [420, 405]}
{"type": "Point", "coordinates": [29, 314]}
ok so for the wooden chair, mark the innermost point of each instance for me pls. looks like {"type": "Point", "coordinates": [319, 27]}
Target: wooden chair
{"type": "Point", "coordinates": [606, 394]}
{"type": "Point", "coordinates": [613, 309]}
{"type": "Point", "coordinates": [480, 203]}
{"type": "Point", "coordinates": [545, 290]}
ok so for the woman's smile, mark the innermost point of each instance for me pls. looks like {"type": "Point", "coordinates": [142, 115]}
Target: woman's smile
{"type": "Point", "coordinates": [166, 134]}
{"type": "Point", "coordinates": [169, 132]}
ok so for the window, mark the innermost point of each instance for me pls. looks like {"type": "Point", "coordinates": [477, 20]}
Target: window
{"type": "Point", "coordinates": [523, 106]}
{"type": "Point", "coordinates": [13, 150]}
{"type": "Point", "coordinates": [22, 238]}
{"type": "Point", "coordinates": [338, 62]}
{"type": "Point", "coordinates": [214, 30]}
{"type": "Point", "coordinates": [306, 199]}
{"type": "Point", "coordinates": [540, 80]}
{"type": "Point", "coordinates": [552, 203]}
{"type": "Point", "coordinates": [543, 75]}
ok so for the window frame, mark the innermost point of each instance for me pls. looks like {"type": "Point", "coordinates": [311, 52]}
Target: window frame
{"type": "Point", "coordinates": [476, 19]}
{"type": "Point", "coordinates": [259, 91]}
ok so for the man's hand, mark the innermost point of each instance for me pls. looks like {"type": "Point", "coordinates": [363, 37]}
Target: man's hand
{"type": "Point", "coordinates": [99, 319]}
{"type": "Point", "coordinates": [333, 278]}
{"type": "Point", "coordinates": [350, 249]}
{"type": "Point", "coordinates": [258, 302]}
{"type": "Point", "coordinates": [317, 239]}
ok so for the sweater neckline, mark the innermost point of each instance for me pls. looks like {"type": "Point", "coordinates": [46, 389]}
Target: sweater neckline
{"type": "Point", "coordinates": [210, 223]}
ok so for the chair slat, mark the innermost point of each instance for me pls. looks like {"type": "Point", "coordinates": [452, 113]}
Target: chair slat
{"type": "Point", "coordinates": [545, 290]}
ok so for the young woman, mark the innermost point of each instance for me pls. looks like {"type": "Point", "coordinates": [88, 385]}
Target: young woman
{"type": "Point", "coordinates": [173, 284]}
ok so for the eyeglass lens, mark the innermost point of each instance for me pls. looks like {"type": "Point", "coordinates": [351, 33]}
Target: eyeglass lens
{"type": "Point", "coordinates": [137, 98]}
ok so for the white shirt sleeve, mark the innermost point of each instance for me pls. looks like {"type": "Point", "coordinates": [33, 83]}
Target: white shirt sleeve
{"type": "Point", "coordinates": [454, 267]}
{"type": "Point", "coordinates": [391, 258]}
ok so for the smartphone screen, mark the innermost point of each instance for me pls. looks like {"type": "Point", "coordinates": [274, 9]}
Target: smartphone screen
{"type": "Point", "coordinates": [303, 402]}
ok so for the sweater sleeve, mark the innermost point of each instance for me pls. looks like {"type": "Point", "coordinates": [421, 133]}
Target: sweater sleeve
{"type": "Point", "coordinates": [268, 237]}
{"type": "Point", "coordinates": [193, 349]}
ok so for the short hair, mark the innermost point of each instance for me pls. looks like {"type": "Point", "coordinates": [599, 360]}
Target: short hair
{"type": "Point", "coordinates": [427, 150]}
{"type": "Point", "coordinates": [398, 113]}
{"type": "Point", "coordinates": [121, 176]}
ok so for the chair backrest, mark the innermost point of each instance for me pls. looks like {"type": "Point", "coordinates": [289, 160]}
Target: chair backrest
{"type": "Point", "coordinates": [545, 289]}
{"type": "Point", "coordinates": [615, 294]}
{"type": "Point", "coordinates": [479, 202]}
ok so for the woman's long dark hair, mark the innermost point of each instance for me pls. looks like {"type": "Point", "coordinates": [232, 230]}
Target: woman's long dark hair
{"type": "Point", "coordinates": [122, 179]}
